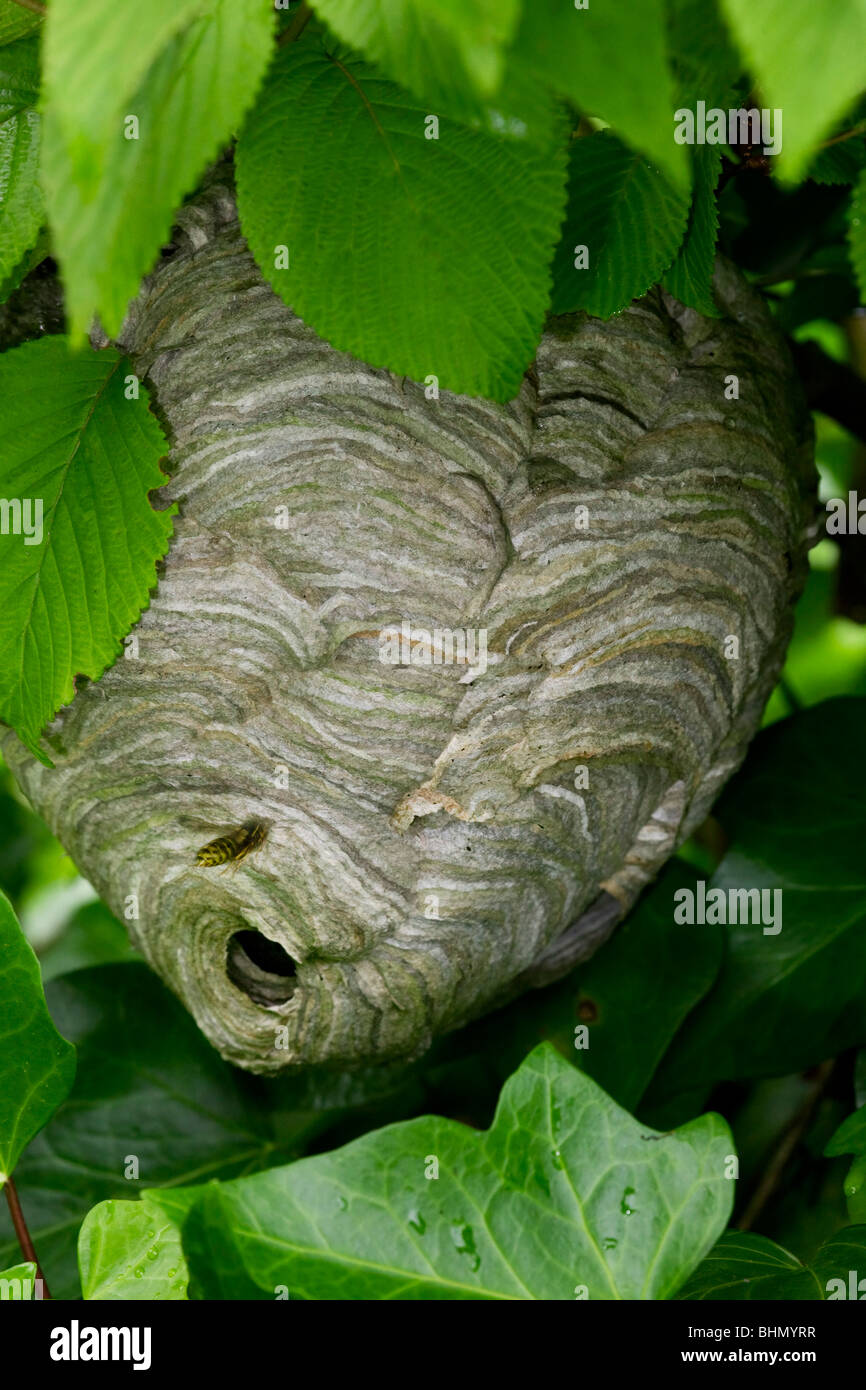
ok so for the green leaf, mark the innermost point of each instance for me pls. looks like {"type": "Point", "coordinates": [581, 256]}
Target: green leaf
{"type": "Point", "coordinates": [857, 232]}
{"type": "Point", "coordinates": [744, 1267]}
{"type": "Point", "coordinates": [75, 446]}
{"type": "Point", "coordinates": [131, 1250]}
{"type": "Point", "coordinates": [850, 1138]}
{"type": "Point", "coordinates": [603, 1017]}
{"type": "Point", "coordinates": [150, 1088]}
{"type": "Point", "coordinates": [840, 163]}
{"type": "Point", "coordinates": [690, 277]}
{"type": "Point", "coordinates": [18, 1282]}
{"type": "Point", "coordinates": [21, 209]}
{"type": "Point", "coordinates": [610, 61]}
{"type": "Point", "coordinates": [428, 47]}
{"type": "Point", "coordinates": [37, 1065]}
{"type": "Point", "coordinates": [787, 1000]}
{"type": "Point", "coordinates": [21, 204]}
{"type": "Point", "coordinates": [93, 937]}
{"type": "Point", "coordinates": [29, 261]}
{"type": "Point", "coordinates": [19, 77]}
{"type": "Point", "coordinates": [15, 21]}
{"type": "Point", "coordinates": [629, 219]}
{"type": "Point", "coordinates": [564, 1194]}
{"type": "Point", "coordinates": [111, 196]}
{"type": "Point", "coordinates": [447, 57]}
{"type": "Point", "coordinates": [705, 64]}
{"type": "Point", "coordinates": [807, 63]}
{"type": "Point", "coordinates": [424, 256]}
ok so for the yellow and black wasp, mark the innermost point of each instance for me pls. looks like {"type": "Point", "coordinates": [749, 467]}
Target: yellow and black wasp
{"type": "Point", "coordinates": [232, 848]}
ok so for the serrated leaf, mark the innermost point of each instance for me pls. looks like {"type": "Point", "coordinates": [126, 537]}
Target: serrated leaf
{"type": "Point", "coordinates": [690, 277]}
{"type": "Point", "coordinates": [452, 58]}
{"type": "Point", "coordinates": [19, 77]}
{"type": "Point", "coordinates": [787, 999]}
{"type": "Point", "coordinates": [96, 54]}
{"type": "Point", "coordinates": [21, 203]}
{"type": "Point", "coordinates": [15, 21]}
{"type": "Point", "coordinates": [29, 261]}
{"type": "Point", "coordinates": [78, 461]}
{"type": "Point", "coordinates": [808, 63]}
{"type": "Point", "coordinates": [131, 1251]}
{"type": "Point", "coordinates": [705, 63]}
{"type": "Point", "coordinates": [857, 232]}
{"type": "Point", "coordinates": [37, 1065]}
{"type": "Point", "coordinates": [564, 1190]}
{"type": "Point", "coordinates": [629, 219]}
{"type": "Point", "coordinates": [18, 1282]}
{"type": "Point", "coordinates": [839, 163]}
{"type": "Point", "coordinates": [426, 256]}
{"type": "Point", "coordinates": [610, 61]}
{"type": "Point", "coordinates": [111, 198]}
{"type": "Point", "coordinates": [21, 208]}
{"type": "Point", "coordinates": [427, 47]}
{"type": "Point", "coordinates": [744, 1267]}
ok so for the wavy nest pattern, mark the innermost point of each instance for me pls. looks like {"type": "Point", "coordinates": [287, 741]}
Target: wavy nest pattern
{"type": "Point", "coordinates": [258, 659]}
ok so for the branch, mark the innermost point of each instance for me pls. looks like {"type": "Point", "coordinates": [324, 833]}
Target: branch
{"type": "Point", "coordinates": [33, 6]}
{"type": "Point", "coordinates": [23, 1235]}
{"type": "Point", "coordinates": [788, 1143]}
{"type": "Point", "coordinates": [300, 20]}
{"type": "Point", "coordinates": [831, 387]}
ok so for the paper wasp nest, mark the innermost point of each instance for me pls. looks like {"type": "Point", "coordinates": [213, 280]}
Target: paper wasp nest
{"type": "Point", "coordinates": [613, 555]}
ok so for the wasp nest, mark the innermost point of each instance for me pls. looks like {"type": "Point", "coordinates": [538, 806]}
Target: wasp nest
{"type": "Point", "coordinates": [465, 672]}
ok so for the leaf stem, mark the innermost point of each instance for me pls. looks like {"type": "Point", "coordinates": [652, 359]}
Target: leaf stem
{"type": "Point", "coordinates": [21, 1231]}
{"type": "Point", "coordinates": [790, 1139]}
{"type": "Point", "coordinates": [300, 20]}
{"type": "Point", "coordinates": [34, 6]}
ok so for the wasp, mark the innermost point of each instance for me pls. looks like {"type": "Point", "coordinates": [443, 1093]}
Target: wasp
{"type": "Point", "coordinates": [232, 848]}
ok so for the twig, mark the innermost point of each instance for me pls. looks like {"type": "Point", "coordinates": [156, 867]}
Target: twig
{"type": "Point", "coordinates": [21, 1231]}
{"type": "Point", "coordinates": [300, 20]}
{"type": "Point", "coordinates": [789, 1141]}
{"type": "Point", "coordinates": [846, 135]}
{"type": "Point", "coordinates": [33, 6]}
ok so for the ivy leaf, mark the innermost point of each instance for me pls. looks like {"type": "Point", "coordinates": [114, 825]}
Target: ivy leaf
{"type": "Point", "coordinates": [425, 46]}
{"type": "Point", "coordinates": [150, 1088]}
{"type": "Point", "coordinates": [564, 1194]}
{"type": "Point", "coordinates": [131, 1251]}
{"type": "Point", "coordinates": [794, 52]}
{"type": "Point", "coordinates": [850, 1138]}
{"type": "Point", "coordinates": [21, 205]}
{"type": "Point", "coordinates": [37, 1065]}
{"type": "Point", "coordinates": [744, 1267]}
{"type": "Point", "coordinates": [426, 256]}
{"type": "Point", "coordinates": [602, 1016]}
{"type": "Point", "coordinates": [78, 461]}
{"type": "Point", "coordinates": [857, 232]}
{"type": "Point", "coordinates": [786, 1000]}
{"type": "Point", "coordinates": [18, 1282]}
{"type": "Point", "coordinates": [112, 186]}
{"type": "Point", "coordinates": [690, 278]}
{"type": "Point", "coordinates": [610, 61]}
{"type": "Point", "coordinates": [629, 219]}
